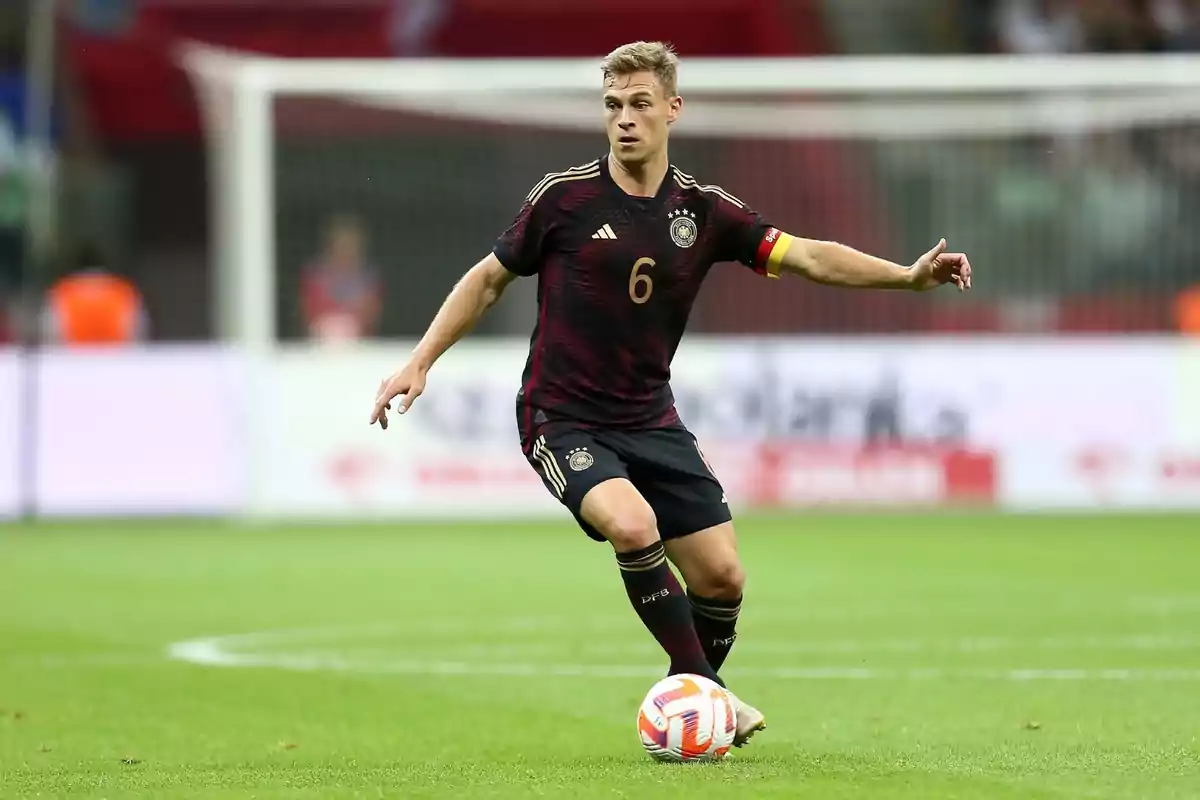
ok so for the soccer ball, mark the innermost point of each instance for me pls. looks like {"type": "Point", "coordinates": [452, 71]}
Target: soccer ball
{"type": "Point", "coordinates": [687, 718]}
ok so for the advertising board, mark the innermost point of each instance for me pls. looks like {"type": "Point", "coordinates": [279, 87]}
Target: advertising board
{"type": "Point", "coordinates": [1016, 424]}
{"type": "Point", "coordinates": [786, 423]}
{"type": "Point", "coordinates": [10, 432]}
{"type": "Point", "coordinates": [148, 431]}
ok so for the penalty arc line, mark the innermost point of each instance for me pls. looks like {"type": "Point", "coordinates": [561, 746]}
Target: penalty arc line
{"type": "Point", "coordinates": [212, 652]}
{"type": "Point", "coordinates": [309, 637]}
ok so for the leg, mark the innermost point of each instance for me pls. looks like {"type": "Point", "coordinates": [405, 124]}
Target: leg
{"type": "Point", "coordinates": [590, 479]}
{"type": "Point", "coordinates": [709, 564]}
{"type": "Point", "coordinates": [618, 512]}
{"type": "Point", "coordinates": [697, 529]}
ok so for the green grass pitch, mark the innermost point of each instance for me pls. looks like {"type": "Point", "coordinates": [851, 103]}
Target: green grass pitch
{"type": "Point", "coordinates": [939, 656]}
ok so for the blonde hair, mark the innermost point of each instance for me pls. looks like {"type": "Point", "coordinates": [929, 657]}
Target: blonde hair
{"type": "Point", "coordinates": [656, 57]}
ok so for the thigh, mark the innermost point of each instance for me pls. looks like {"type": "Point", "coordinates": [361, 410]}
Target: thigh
{"type": "Point", "coordinates": [571, 463]}
{"type": "Point", "coordinates": [616, 510]}
{"type": "Point", "coordinates": [669, 469]}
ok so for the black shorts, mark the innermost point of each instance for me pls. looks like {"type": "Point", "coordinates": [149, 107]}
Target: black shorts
{"type": "Point", "coordinates": [664, 464]}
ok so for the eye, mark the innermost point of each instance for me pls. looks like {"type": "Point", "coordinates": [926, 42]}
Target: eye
{"type": "Point", "coordinates": [642, 106]}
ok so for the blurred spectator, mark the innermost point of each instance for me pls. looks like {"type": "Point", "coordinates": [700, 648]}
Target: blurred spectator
{"type": "Point", "coordinates": [1179, 21]}
{"type": "Point", "coordinates": [1187, 311]}
{"type": "Point", "coordinates": [340, 290]}
{"type": "Point", "coordinates": [1120, 26]}
{"type": "Point", "coordinates": [93, 306]}
{"type": "Point", "coordinates": [1038, 27]}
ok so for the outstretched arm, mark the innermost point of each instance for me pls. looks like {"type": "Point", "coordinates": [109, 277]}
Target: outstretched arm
{"type": "Point", "coordinates": [838, 265]}
{"type": "Point", "coordinates": [476, 292]}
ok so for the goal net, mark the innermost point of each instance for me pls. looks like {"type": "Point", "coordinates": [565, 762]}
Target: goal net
{"type": "Point", "coordinates": [1074, 183]}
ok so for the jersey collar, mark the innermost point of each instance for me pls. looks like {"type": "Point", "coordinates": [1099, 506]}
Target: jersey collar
{"type": "Point", "coordinates": [657, 200]}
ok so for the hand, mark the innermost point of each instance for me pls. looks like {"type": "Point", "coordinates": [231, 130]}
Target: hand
{"type": "Point", "coordinates": [409, 382]}
{"type": "Point", "coordinates": [938, 267]}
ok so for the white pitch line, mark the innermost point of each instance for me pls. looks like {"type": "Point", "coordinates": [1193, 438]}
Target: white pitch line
{"type": "Point", "coordinates": [213, 652]}
{"type": "Point", "coordinates": [977, 644]}
{"type": "Point", "coordinates": [751, 642]}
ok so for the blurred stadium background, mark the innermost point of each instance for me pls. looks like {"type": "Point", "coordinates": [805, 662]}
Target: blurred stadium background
{"type": "Point", "coordinates": [272, 200]}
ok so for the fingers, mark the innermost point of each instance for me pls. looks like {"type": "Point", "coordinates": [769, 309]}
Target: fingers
{"type": "Point", "coordinates": [953, 268]}
{"type": "Point", "coordinates": [407, 400]}
{"type": "Point", "coordinates": [383, 403]}
{"type": "Point", "coordinates": [948, 267]}
{"type": "Point", "coordinates": [379, 412]}
{"type": "Point", "coordinates": [404, 385]}
{"type": "Point", "coordinates": [937, 250]}
{"type": "Point", "coordinates": [960, 269]}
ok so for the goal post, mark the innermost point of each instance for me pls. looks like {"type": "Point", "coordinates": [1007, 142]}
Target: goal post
{"type": "Point", "coordinates": [235, 106]}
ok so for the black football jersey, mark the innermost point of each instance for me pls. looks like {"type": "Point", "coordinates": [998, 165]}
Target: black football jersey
{"type": "Point", "coordinates": [617, 278]}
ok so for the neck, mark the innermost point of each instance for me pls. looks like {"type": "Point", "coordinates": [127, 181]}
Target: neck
{"type": "Point", "coordinates": [640, 180]}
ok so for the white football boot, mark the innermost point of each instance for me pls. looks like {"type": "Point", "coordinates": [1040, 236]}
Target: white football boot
{"type": "Point", "coordinates": [749, 721]}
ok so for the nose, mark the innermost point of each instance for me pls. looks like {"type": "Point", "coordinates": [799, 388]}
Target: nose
{"type": "Point", "coordinates": [625, 122]}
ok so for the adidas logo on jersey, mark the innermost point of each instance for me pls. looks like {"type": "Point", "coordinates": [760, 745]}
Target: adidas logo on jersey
{"type": "Point", "coordinates": [604, 233]}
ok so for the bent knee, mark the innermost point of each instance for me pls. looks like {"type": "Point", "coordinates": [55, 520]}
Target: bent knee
{"type": "Point", "coordinates": [621, 515]}
{"type": "Point", "coordinates": [724, 580]}
{"type": "Point", "coordinates": [631, 529]}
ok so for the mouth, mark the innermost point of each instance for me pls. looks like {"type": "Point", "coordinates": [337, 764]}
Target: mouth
{"type": "Point", "coordinates": [627, 140]}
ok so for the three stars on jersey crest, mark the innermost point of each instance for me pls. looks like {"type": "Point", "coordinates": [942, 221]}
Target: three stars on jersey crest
{"type": "Point", "coordinates": [683, 227]}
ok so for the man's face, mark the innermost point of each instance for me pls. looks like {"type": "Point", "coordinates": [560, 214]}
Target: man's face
{"type": "Point", "coordinates": [637, 116]}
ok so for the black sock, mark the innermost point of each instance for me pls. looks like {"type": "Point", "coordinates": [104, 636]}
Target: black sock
{"type": "Point", "coordinates": [716, 625]}
{"type": "Point", "coordinates": [661, 603]}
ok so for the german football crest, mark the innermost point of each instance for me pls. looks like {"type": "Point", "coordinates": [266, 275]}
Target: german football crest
{"type": "Point", "coordinates": [683, 228]}
{"type": "Point", "coordinates": [580, 459]}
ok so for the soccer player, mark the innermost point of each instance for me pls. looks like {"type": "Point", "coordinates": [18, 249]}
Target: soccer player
{"type": "Point", "coordinates": [620, 247]}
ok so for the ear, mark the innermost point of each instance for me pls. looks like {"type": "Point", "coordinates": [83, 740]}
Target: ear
{"type": "Point", "coordinates": [674, 108]}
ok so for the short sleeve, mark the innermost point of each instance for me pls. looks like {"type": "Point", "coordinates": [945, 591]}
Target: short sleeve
{"type": "Point", "coordinates": [520, 248]}
{"type": "Point", "coordinates": [743, 236]}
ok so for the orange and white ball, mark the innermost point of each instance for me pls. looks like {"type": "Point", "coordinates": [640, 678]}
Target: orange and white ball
{"type": "Point", "coordinates": [687, 718]}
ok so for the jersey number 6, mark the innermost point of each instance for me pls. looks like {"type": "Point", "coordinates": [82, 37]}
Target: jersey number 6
{"type": "Point", "coordinates": [640, 285]}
